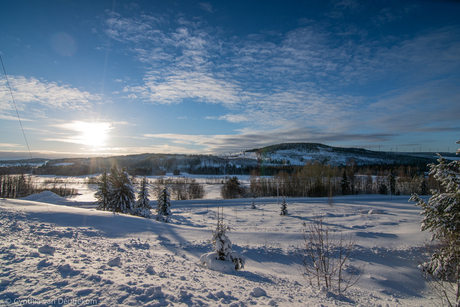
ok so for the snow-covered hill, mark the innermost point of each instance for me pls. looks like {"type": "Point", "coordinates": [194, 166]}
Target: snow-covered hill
{"type": "Point", "coordinates": [289, 154]}
{"type": "Point", "coordinates": [299, 153]}
{"type": "Point", "coordinates": [66, 255]}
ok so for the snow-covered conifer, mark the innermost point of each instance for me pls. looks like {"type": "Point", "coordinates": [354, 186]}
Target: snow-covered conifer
{"type": "Point", "coordinates": [143, 207]}
{"type": "Point", "coordinates": [103, 192]}
{"type": "Point", "coordinates": [163, 205]}
{"type": "Point", "coordinates": [221, 243]}
{"type": "Point", "coordinates": [222, 248]}
{"type": "Point", "coordinates": [122, 195]}
{"type": "Point", "coordinates": [442, 218]}
{"type": "Point", "coordinates": [284, 210]}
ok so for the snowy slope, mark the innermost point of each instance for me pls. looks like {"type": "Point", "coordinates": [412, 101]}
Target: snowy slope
{"type": "Point", "coordinates": [60, 252]}
{"type": "Point", "coordinates": [299, 153]}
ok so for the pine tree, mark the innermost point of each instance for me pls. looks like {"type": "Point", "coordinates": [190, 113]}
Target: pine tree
{"type": "Point", "coordinates": [221, 243]}
{"type": "Point", "coordinates": [284, 210]}
{"type": "Point", "coordinates": [442, 218]}
{"type": "Point", "coordinates": [231, 189]}
{"type": "Point", "coordinates": [163, 205]}
{"type": "Point", "coordinates": [143, 207]}
{"type": "Point", "coordinates": [223, 246]}
{"type": "Point", "coordinates": [424, 190]}
{"type": "Point", "coordinates": [103, 192]}
{"type": "Point", "coordinates": [345, 184]}
{"type": "Point", "coordinates": [392, 183]}
{"type": "Point", "coordinates": [122, 195]}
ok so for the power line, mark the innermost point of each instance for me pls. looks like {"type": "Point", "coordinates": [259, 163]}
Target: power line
{"type": "Point", "coordinates": [15, 107]}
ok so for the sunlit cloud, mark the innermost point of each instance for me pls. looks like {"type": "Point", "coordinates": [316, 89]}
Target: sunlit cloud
{"type": "Point", "coordinates": [87, 133]}
{"type": "Point", "coordinates": [10, 145]}
{"type": "Point", "coordinates": [12, 117]}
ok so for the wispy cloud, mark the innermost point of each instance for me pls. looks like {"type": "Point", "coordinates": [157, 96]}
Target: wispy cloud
{"type": "Point", "coordinates": [295, 82]}
{"type": "Point", "coordinates": [206, 6]}
{"type": "Point", "coordinates": [12, 117]}
{"type": "Point", "coordinates": [177, 87]}
{"type": "Point", "coordinates": [48, 94]}
{"type": "Point", "coordinates": [10, 145]}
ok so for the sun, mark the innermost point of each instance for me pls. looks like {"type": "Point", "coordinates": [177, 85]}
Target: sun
{"type": "Point", "coordinates": [92, 134]}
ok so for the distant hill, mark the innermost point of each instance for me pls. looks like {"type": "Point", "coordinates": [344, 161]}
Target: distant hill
{"type": "Point", "coordinates": [299, 153]}
{"type": "Point", "coordinates": [274, 158]}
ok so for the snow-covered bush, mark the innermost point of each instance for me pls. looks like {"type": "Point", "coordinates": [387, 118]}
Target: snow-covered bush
{"type": "Point", "coordinates": [442, 218]}
{"type": "Point", "coordinates": [284, 210]}
{"type": "Point", "coordinates": [223, 258]}
{"type": "Point", "coordinates": [163, 205]}
{"type": "Point", "coordinates": [142, 207]}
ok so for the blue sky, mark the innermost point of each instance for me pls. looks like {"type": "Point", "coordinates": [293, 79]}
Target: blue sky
{"type": "Point", "coordinates": [121, 77]}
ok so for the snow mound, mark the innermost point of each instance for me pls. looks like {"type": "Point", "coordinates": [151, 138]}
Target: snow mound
{"type": "Point", "coordinates": [258, 292]}
{"type": "Point", "coordinates": [375, 211]}
{"type": "Point", "coordinates": [211, 261]}
{"type": "Point", "coordinates": [46, 197]}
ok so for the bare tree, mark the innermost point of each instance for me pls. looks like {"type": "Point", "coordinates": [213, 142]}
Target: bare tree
{"type": "Point", "coordinates": [325, 256]}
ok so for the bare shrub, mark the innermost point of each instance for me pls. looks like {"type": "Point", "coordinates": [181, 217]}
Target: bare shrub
{"type": "Point", "coordinates": [325, 256]}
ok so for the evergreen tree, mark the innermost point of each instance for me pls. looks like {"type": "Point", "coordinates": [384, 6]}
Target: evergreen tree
{"type": "Point", "coordinates": [442, 218]}
{"type": "Point", "coordinates": [143, 207]}
{"type": "Point", "coordinates": [284, 210]}
{"type": "Point", "coordinates": [223, 246]}
{"type": "Point", "coordinates": [163, 205]}
{"type": "Point", "coordinates": [345, 184]}
{"type": "Point", "coordinates": [122, 195]}
{"type": "Point", "coordinates": [392, 183]}
{"type": "Point", "coordinates": [424, 186]}
{"type": "Point", "coordinates": [103, 192]}
{"type": "Point", "coordinates": [231, 189]}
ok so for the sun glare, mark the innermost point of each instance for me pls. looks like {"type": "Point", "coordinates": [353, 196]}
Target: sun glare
{"type": "Point", "coordinates": [92, 134]}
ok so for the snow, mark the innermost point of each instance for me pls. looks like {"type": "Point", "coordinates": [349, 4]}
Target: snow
{"type": "Point", "coordinates": [46, 197]}
{"type": "Point", "coordinates": [52, 248]}
{"type": "Point", "coordinates": [210, 260]}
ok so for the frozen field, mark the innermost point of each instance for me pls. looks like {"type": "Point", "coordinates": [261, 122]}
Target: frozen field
{"type": "Point", "coordinates": [57, 251]}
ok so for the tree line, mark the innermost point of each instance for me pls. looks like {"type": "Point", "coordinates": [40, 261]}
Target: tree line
{"type": "Point", "coordinates": [18, 186]}
{"type": "Point", "coordinates": [318, 180]}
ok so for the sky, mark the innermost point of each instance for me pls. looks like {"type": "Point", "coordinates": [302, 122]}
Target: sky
{"type": "Point", "coordinates": [102, 78]}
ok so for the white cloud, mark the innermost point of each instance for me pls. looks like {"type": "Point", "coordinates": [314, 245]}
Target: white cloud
{"type": "Point", "coordinates": [49, 94]}
{"type": "Point", "coordinates": [292, 80]}
{"type": "Point", "coordinates": [11, 117]}
{"type": "Point", "coordinates": [206, 6]}
{"type": "Point", "coordinates": [10, 145]}
{"type": "Point", "coordinates": [177, 87]}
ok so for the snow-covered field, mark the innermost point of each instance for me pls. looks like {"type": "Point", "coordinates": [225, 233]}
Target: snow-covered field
{"type": "Point", "coordinates": [55, 251]}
